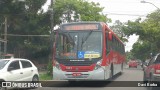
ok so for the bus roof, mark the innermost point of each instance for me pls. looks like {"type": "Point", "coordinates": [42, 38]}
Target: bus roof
{"type": "Point", "coordinates": [81, 22]}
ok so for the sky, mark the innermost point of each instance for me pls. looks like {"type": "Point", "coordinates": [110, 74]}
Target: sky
{"type": "Point", "coordinates": [125, 10]}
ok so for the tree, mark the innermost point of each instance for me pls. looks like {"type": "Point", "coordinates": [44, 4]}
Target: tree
{"type": "Point", "coordinates": [10, 14]}
{"type": "Point", "coordinates": [141, 50]}
{"type": "Point", "coordinates": [151, 27]}
{"type": "Point", "coordinates": [133, 27]}
{"type": "Point", "coordinates": [25, 18]}
{"type": "Point", "coordinates": [72, 10]}
{"type": "Point", "coordinates": [118, 28]}
{"type": "Point", "coordinates": [147, 30]}
{"type": "Point", "coordinates": [129, 56]}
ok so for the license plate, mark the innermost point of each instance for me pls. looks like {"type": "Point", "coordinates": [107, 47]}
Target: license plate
{"type": "Point", "coordinates": [76, 74]}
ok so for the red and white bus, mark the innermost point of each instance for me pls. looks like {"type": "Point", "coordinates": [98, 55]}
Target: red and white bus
{"type": "Point", "coordinates": [86, 51]}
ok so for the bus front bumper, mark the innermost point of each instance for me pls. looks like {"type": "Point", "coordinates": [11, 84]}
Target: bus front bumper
{"type": "Point", "coordinates": [90, 75]}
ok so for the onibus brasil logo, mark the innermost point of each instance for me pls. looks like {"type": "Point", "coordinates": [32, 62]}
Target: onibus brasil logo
{"type": "Point", "coordinates": [21, 84]}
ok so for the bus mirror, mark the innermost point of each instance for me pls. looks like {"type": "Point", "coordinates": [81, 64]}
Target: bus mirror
{"type": "Point", "coordinates": [110, 36]}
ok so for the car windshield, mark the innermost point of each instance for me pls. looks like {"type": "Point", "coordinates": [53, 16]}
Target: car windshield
{"type": "Point", "coordinates": [3, 63]}
{"type": "Point", "coordinates": [132, 62]}
{"type": "Point", "coordinates": [79, 45]}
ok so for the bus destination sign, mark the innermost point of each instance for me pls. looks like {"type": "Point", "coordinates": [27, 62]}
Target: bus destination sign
{"type": "Point", "coordinates": [81, 27]}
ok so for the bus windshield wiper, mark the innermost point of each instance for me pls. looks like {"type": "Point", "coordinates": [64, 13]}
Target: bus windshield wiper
{"type": "Point", "coordinates": [87, 36]}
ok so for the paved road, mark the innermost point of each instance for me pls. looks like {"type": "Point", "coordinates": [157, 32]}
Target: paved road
{"type": "Point", "coordinates": [129, 74]}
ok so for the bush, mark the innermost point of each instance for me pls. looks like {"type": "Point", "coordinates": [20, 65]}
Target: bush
{"type": "Point", "coordinates": [45, 77]}
{"type": "Point", "coordinates": [50, 68]}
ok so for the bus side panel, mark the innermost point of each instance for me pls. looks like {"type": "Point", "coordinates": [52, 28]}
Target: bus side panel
{"type": "Point", "coordinates": [115, 60]}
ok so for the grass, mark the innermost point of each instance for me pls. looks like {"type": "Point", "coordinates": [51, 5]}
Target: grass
{"type": "Point", "coordinates": [45, 76]}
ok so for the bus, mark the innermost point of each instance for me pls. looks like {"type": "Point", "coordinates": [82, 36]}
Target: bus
{"type": "Point", "coordinates": [86, 51]}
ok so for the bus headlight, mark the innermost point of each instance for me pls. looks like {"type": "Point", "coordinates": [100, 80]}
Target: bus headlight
{"type": "Point", "coordinates": [98, 65]}
{"type": "Point", "coordinates": [57, 65]}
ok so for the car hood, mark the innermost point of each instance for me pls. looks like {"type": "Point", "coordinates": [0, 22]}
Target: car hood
{"type": "Point", "coordinates": [1, 71]}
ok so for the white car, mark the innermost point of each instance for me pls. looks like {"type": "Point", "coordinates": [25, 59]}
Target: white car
{"type": "Point", "coordinates": [17, 69]}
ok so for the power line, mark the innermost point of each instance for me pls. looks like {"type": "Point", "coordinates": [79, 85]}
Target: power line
{"type": "Point", "coordinates": [18, 35]}
{"type": "Point", "coordinates": [2, 40]}
{"type": "Point", "coordinates": [124, 14]}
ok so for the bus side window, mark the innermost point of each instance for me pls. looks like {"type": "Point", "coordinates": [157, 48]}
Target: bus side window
{"type": "Point", "coordinates": [113, 42]}
{"type": "Point", "coordinates": [107, 43]}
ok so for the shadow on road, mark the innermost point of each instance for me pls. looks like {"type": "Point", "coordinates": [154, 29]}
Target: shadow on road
{"type": "Point", "coordinates": [80, 83]}
{"type": "Point", "coordinates": [89, 84]}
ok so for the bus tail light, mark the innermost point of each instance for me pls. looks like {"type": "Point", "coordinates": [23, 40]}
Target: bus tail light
{"type": "Point", "coordinates": [157, 71]}
{"type": "Point", "coordinates": [98, 65]}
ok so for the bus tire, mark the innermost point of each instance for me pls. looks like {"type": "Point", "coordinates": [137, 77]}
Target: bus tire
{"type": "Point", "coordinates": [111, 72]}
{"type": "Point", "coordinates": [122, 67]}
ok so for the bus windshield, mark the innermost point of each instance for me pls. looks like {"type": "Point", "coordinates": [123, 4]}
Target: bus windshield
{"type": "Point", "coordinates": [79, 44]}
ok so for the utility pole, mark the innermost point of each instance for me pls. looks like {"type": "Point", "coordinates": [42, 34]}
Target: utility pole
{"type": "Point", "coordinates": [5, 35]}
{"type": "Point", "coordinates": [52, 19]}
{"type": "Point", "coordinates": [68, 14]}
{"type": "Point", "coordinates": [1, 41]}
{"type": "Point", "coordinates": [52, 28]}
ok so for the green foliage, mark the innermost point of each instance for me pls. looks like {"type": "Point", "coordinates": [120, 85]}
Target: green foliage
{"type": "Point", "coordinates": [80, 9]}
{"type": "Point", "coordinates": [129, 56]}
{"type": "Point", "coordinates": [141, 50]}
{"type": "Point", "coordinates": [133, 28]}
{"type": "Point", "coordinates": [148, 31]}
{"type": "Point", "coordinates": [118, 28]}
{"type": "Point", "coordinates": [24, 19]}
{"type": "Point", "coordinates": [45, 77]}
{"type": "Point", "coordinates": [151, 27]}
{"type": "Point", "coordinates": [50, 68]}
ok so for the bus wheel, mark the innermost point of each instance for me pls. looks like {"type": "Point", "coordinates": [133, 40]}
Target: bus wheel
{"type": "Point", "coordinates": [111, 72]}
{"type": "Point", "coordinates": [121, 67]}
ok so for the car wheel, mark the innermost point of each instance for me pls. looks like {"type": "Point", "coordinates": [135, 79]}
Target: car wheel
{"type": "Point", "coordinates": [35, 79]}
{"type": "Point", "coordinates": [151, 79]}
